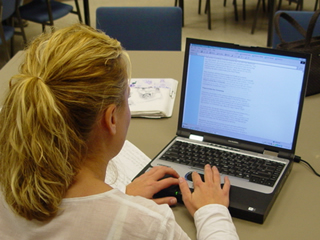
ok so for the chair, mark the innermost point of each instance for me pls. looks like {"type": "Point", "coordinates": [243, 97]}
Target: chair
{"type": "Point", "coordinates": [208, 10]}
{"type": "Point", "coordinates": [288, 32]}
{"type": "Point", "coordinates": [298, 7]}
{"type": "Point", "coordinates": [46, 11]}
{"type": "Point", "coordinates": [8, 10]}
{"type": "Point", "coordinates": [142, 28]}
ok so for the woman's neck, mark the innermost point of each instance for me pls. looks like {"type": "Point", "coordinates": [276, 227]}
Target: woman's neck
{"type": "Point", "coordinates": [89, 181]}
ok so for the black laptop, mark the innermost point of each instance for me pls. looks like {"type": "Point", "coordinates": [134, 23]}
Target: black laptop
{"type": "Point", "coordinates": [240, 110]}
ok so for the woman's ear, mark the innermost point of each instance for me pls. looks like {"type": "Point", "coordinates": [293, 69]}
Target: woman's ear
{"type": "Point", "coordinates": [109, 119]}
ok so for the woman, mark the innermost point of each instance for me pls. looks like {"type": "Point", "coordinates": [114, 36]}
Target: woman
{"type": "Point", "coordinates": [65, 117]}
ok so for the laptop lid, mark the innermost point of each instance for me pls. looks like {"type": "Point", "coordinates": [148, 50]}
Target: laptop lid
{"type": "Point", "coordinates": [245, 97]}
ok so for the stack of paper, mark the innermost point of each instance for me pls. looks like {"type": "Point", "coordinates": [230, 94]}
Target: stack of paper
{"type": "Point", "coordinates": [152, 97]}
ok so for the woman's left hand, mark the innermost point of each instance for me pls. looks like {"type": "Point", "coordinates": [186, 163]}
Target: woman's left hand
{"type": "Point", "coordinates": [149, 184]}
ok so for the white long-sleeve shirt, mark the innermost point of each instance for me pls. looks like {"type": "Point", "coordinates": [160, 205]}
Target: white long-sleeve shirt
{"type": "Point", "coordinates": [115, 215]}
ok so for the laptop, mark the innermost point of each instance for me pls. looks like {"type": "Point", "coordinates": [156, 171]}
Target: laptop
{"type": "Point", "coordinates": [240, 110]}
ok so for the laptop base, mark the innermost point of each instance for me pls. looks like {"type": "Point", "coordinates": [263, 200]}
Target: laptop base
{"type": "Point", "coordinates": [254, 206]}
{"type": "Point", "coordinates": [244, 204]}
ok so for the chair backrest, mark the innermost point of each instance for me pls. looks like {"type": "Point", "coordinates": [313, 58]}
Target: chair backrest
{"type": "Point", "coordinates": [9, 7]}
{"type": "Point", "coordinates": [142, 28]}
{"type": "Point", "coordinates": [288, 32]}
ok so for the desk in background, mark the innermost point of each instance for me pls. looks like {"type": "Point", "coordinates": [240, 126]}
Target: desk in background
{"type": "Point", "coordinates": [295, 214]}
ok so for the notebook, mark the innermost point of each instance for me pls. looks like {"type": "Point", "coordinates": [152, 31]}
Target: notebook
{"type": "Point", "coordinates": [247, 103]}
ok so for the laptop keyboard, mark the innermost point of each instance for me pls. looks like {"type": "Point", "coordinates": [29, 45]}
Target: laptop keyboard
{"type": "Point", "coordinates": [254, 169]}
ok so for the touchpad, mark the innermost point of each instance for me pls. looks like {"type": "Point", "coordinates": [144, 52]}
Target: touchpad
{"type": "Point", "coordinates": [189, 176]}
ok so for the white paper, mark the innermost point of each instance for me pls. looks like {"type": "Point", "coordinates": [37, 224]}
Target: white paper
{"type": "Point", "coordinates": [125, 166]}
{"type": "Point", "coordinates": [152, 97]}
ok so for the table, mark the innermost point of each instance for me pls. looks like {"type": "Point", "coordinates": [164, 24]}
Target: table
{"type": "Point", "coordinates": [295, 214]}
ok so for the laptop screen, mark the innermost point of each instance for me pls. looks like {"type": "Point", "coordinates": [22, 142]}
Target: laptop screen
{"type": "Point", "coordinates": [243, 93]}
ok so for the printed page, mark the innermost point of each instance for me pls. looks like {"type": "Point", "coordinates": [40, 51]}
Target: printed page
{"type": "Point", "coordinates": [125, 166]}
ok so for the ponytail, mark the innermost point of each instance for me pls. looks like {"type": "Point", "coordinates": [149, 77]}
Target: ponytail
{"type": "Point", "coordinates": [37, 142]}
{"type": "Point", "coordinates": [67, 79]}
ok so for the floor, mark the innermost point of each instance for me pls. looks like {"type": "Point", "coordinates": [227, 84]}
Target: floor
{"type": "Point", "coordinates": [224, 26]}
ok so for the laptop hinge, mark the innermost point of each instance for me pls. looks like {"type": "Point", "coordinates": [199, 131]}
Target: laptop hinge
{"type": "Point", "coordinates": [196, 137]}
{"type": "Point", "coordinates": [286, 155]}
{"type": "Point", "coordinates": [270, 153]}
{"type": "Point", "coordinates": [279, 154]}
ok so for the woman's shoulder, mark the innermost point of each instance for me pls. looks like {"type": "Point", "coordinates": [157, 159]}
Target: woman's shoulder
{"type": "Point", "coordinates": [114, 208]}
{"type": "Point", "coordinates": [114, 199]}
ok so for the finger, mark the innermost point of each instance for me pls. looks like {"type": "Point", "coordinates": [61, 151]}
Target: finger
{"type": "Point", "coordinates": [150, 171]}
{"type": "Point", "coordinates": [208, 173]}
{"type": "Point", "coordinates": [167, 182]}
{"type": "Point", "coordinates": [186, 195]}
{"type": "Point", "coordinates": [226, 185]}
{"type": "Point", "coordinates": [160, 171]}
{"type": "Point", "coordinates": [196, 179]}
{"type": "Point", "coordinates": [184, 188]}
{"type": "Point", "coordinates": [171, 171]}
{"type": "Point", "coordinates": [216, 175]}
{"type": "Point", "coordinates": [166, 200]}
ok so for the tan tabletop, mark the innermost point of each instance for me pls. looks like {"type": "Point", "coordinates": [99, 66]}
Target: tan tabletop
{"type": "Point", "coordinates": [296, 212]}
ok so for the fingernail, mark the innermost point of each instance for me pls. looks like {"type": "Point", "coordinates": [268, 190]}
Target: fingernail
{"type": "Point", "coordinates": [181, 179]}
{"type": "Point", "coordinates": [173, 201]}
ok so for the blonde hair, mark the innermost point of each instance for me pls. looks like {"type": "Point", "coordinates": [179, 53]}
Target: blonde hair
{"type": "Point", "coordinates": [67, 79]}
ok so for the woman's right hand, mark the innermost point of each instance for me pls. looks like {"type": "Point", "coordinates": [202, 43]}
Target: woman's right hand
{"type": "Point", "coordinates": [207, 192]}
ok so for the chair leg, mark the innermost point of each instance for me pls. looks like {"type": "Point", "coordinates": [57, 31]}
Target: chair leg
{"type": "Point", "coordinates": [78, 10]}
{"type": "Point", "coordinates": [235, 10]}
{"type": "Point", "coordinates": [208, 8]}
{"type": "Point", "coordinates": [316, 5]}
{"type": "Point", "coordinates": [11, 23]}
{"type": "Point", "coordinates": [4, 42]}
{"type": "Point", "coordinates": [224, 3]}
{"type": "Point", "coordinates": [21, 26]}
{"type": "Point", "coordinates": [12, 47]}
{"type": "Point", "coordinates": [299, 5]}
{"type": "Point", "coordinates": [181, 5]}
{"type": "Point", "coordinates": [175, 3]}
{"type": "Point", "coordinates": [255, 17]}
{"type": "Point", "coordinates": [199, 7]}
{"type": "Point", "coordinates": [244, 9]}
{"type": "Point", "coordinates": [264, 5]}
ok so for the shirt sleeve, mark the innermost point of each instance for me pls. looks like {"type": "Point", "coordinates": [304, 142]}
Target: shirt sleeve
{"type": "Point", "coordinates": [213, 221]}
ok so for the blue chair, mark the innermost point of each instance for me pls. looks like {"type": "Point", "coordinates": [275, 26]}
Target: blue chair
{"type": "Point", "coordinates": [291, 34]}
{"type": "Point", "coordinates": [8, 10]}
{"type": "Point", "coordinates": [142, 28]}
{"type": "Point", "coordinates": [46, 11]}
